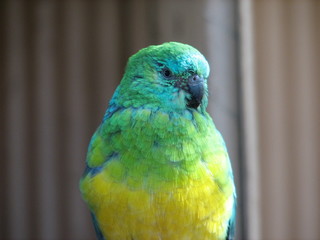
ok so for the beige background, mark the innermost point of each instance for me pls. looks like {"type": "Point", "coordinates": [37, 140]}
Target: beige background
{"type": "Point", "coordinates": [286, 37]}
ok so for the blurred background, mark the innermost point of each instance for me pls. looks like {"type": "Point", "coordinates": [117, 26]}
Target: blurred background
{"type": "Point", "coordinates": [61, 61]}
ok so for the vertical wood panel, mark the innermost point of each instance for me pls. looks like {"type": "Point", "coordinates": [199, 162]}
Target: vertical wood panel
{"type": "Point", "coordinates": [60, 59]}
{"type": "Point", "coordinates": [251, 192]}
{"type": "Point", "coordinates": [222, 54]}
{"type": "Point", "coordinates": [182, 24]}
{"type": "Point", "coordinates": [138, 20]}
{"type": "Point", "coordinates": [287, 53]}
{"type": "Point", "coordinates": [31, 118]}
{"type": "Point", "coordinates": [3, 107]}
{"type": "Point", "coordinates": [274, 119]}
{"type": "Point", "coordinates": [46, 167]}
{"type": "Point", "coordinates": [304, 114]}
{"type": "Point", "coordinates": [107, 72]}
{"type": "Point", "coordinates": [77, 111]}
{"type": "Point", "coordinates": [16, 128]}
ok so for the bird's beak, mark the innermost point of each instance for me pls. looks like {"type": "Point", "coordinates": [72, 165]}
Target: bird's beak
{"type": "Point", "coordinates": [196, 89]}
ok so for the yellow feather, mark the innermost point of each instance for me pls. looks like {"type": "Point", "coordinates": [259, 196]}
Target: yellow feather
{"type": "Point", "coordinates": [198, 209]}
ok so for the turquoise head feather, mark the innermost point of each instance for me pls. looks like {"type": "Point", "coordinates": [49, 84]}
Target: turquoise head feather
{"type": "Point", "coordinates": [171, 76]}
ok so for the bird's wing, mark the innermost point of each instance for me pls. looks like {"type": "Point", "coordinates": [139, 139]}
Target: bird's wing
{"type": "Point", "coordinates": [232, 222]}
{"type": "Point", "coordinates": [96, 228]}
{"type": "Point", "coordinates": [96, 157]}
{"type": "Point", "coordinates": [97, 150]}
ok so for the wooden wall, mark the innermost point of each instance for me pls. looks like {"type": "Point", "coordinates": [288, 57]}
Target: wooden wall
{"type": "Point", "coordinates": [280, 63]}
{"type": "Point", "coordinates": [288, 84]}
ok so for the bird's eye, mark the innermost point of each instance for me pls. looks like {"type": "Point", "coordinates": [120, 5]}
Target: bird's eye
{"type": "Point", "coordinates": [191, 72]}
{"type": "Point", "coordinates": [166, 73]}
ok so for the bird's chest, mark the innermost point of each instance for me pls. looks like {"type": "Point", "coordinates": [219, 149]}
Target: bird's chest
{"type": "Point", "coordinates": [169, 179]}
{"type": "Point", "coordinates": [197, 210]}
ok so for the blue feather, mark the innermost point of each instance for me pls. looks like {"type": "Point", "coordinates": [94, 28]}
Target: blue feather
{"type": "Point", "coordinates": [92, 171]}
{"type": "Point", "coordinates": [232, 222]}
{"type": "Point", "coordinates": [96, 228]}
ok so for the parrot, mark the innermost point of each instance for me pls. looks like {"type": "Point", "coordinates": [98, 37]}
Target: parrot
{"type": "Point", "coordinates": [157, 168]}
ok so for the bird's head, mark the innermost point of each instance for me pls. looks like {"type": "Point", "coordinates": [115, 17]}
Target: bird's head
{"type": "Point", "coordinates": [170, 76]}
